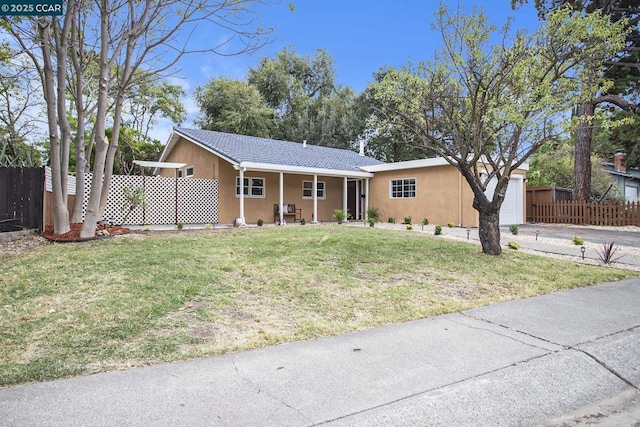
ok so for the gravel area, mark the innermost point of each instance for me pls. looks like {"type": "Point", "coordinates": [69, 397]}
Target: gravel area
{"type": "Point", "coordinates": [22, 244]}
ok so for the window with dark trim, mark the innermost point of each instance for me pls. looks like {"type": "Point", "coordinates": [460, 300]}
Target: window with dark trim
{"type": "Point", "coordinates": [253, 187]}
{"type": "Point", "coordinates": [188, 173]}
{"type": "Point", "coordinates": [402, 188]}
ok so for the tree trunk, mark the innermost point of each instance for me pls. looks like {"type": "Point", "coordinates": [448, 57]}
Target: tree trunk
{"type": "Point", "coordinates": [582, 165]}
{"type": "Point", "coordinates": [93, 206]}
{"type": "Point", "coordinates": [60, 213]}
{"type": "Point", "coordinates": [489, 231]}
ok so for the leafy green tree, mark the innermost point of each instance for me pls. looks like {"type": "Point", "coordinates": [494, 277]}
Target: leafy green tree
{"type": "Point", "coordinates": [234, 106]}
{"type": "Point", "coordinates": [127, 37]}
{"type": "Point", "coordinates": [149, 99]}
{"type": "Point", "coordinates": [487, 108]}
{"type": "Point", "coordinates": [134, 146]}
{"type": "Point", "coordinates": [19, 107]}
{"type": "Point", "coordinates": [622, 68]}
{"type": "Point", "coordinates": [552, 166]}
{"type": "Point", "coordinates": [291, 85]}
{"type": "Point", "coordinates": [608, 141]}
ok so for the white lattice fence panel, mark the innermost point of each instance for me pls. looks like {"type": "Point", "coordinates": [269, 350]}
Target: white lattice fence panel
{"type": "Point", "coordinates": [117, 205]}
{"type": "Point", "coordinates": [198, 201]}
{"type": "Point", "coordinates": [161, 200]}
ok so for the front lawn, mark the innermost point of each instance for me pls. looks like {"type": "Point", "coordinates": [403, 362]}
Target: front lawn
{"type": "Point", "coordinates": [74, 309]}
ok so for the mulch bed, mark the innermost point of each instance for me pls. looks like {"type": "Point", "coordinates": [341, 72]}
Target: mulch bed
{"type": "Point", "coordinates": [74, 234]}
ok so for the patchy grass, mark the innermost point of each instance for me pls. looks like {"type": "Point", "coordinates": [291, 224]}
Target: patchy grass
{"type": "Point", "coordinates": [82, 308]}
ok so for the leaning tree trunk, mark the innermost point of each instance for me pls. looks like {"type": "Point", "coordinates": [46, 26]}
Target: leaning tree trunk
{"type": "Point", "coordinates": [489, 230]}
{"type": "Point", "coordinates": [582, 165]}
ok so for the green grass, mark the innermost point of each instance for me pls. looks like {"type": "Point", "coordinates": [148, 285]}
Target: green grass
{"type": "Point", "coordinates": [73, 309]}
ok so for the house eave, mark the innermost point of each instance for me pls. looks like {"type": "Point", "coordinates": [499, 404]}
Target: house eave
{"type": "Point", "coordinates": [420, 163]}
{"type": "Point", "coordinates": [300, 170]}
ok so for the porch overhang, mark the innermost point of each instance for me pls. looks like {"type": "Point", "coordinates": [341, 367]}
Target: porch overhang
{"type": "Point", "coordinates": [301, 170]}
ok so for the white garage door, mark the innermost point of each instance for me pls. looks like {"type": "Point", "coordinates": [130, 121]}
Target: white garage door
{"type": "Point", "coordinates": [511, 211]}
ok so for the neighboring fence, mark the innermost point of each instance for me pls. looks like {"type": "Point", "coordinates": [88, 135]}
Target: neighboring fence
{"type": "Point", "coordinates": [21, 192]}
{"type": "Point", "coordinates": [544, 194]}
{"type": "Point", "coordinates": [571, 212]}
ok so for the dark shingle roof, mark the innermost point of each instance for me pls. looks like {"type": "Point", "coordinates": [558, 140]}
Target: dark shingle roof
{"type": "Point", "coordinates": [241, 148]}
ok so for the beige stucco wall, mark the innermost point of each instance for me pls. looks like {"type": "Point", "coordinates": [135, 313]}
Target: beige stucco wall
{"type": "Point", "coordinates": [442, 195]}
{"type": "Point", "coordinates": [206, 165]}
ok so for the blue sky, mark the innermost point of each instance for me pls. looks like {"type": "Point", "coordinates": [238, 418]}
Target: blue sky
{"type": "Point", "coordinates": [361, 35]}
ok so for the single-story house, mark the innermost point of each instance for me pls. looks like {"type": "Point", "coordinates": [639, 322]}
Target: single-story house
{"type": "Point", "coordinates": [313, 181]}
{"type": "Point", "coordinates": [626, 179]}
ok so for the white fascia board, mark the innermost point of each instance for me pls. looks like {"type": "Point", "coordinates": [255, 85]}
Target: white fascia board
{"type": "Point", "coordinates": [300, 170]}
{"type": "Point", "coordinates": [161, 165]}
{"type": "Point", "coordinates": [421, 163]}
{"type": "Point", "coordinates": [410, 164]}
{"type": "Point", "coordinates": [209, 149]}
{"type": "Point", "coordinates": [173, 139]}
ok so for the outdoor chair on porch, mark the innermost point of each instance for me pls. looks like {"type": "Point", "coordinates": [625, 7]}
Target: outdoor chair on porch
{"type": "Point", "coordinates": [289, 212]}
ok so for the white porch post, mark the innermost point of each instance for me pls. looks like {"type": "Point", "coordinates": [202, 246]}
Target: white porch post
{"type": "Point", "coordinates": [366, 200]}
{"type": "Point", "coordinates": [344, 198]}
{"type": "Point", "coordinates": [358, 198]}
{"type": "Point", "coordinates": [281, 197]}
{"type": "Point", "coordinates": [241, 218]}
{"type": "Point", "coordinates": [315, 199]}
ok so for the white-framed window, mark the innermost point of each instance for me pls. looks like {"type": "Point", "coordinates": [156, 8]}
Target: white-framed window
{"type": "Point", "coordinates": [307, 190]}
{"type": "Point", "coordinates": [402, 188]}
{"type": "Point", "coordinates": [188, 172]}
{"type": "Point", "coordinates": [253, 187]}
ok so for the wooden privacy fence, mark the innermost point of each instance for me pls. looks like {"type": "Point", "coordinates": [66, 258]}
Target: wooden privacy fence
{"type": "Point", "coordinates": [21, 197]}
{"type": "Point", "coordinates": [573, 212]}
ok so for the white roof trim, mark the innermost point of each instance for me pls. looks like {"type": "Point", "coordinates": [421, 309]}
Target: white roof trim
{"type": "Point", "coordinates": [301, 170]}
{"type": "Point", "coordinates": [411, 164]}
{"type": "Point", "coordinates": [159, 165]}
{"type": "Point", "coordinates": [421, 163]}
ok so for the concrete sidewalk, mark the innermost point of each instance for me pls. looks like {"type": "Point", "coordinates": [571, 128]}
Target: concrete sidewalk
{"type": "Point", "coordinates": [562, 357]}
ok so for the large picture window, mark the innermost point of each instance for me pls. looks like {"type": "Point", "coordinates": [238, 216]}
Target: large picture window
{"type": "Point", "coordinates": [307, 189]}
{"type": "Point", "coordinates": [253, 187]}
{"type": "Point", "coordinates": [402, 188]}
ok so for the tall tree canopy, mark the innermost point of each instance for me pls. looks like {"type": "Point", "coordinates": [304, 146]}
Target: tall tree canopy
{"type": "Point", "coordinates": [286, 97]}
{"type": "Point", "coordinates": [623, 68]}
{"type": "Point", "coordinates": [487, 108]}
{"type": "Point", "coordinates": [115, 43]}
{"type": "Point", "coordinates": [234, 106]}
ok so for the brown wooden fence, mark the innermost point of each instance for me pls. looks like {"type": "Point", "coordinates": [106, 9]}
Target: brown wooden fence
{"type": "Point", "coordinates": [21, 192]}
{"type": "Point", "coordinates": [572, 212]}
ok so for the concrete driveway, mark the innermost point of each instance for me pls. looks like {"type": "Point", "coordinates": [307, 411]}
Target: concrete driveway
{"type": "Point", "coordinates": [592, 234]}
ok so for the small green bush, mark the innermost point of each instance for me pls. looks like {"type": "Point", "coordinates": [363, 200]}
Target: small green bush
{"type": "Point", "coordinates": [391, 220]}
{"type": "Point", "coordinates": [409, 227]}
{"type": "Point", "coordinates": [513, 245]}
{"type": "Point", "coordinates": [425, 221]}
{"type": "Point", "coordinates": [260, 222]}
{"type": "Point", "coordinates": [180, 225]}
{"type": "Point", "coordinates": [438, 230]}
{"type": "Point", "coordinates": [372, 222]}
{"type": "Point", "coordinates": [514, 229]}
{"type": "Point", "coordinates": [303, 221]}
{"type": "Point", "coordinates": [450, 224]}
{"type": "Point", "coordinates": [577, 240]}
{"type": "Point", "coordinates": [373, 213]}
{"type": "Point", "coordinates": [339, 215]}
{"type": "Point", "coordinates": [407, 220]}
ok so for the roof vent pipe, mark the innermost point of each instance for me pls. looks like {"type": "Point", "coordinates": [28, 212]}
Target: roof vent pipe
{"type": "Point", "coordinates": [361, 147]}
{"type": "Point", "coordinates": [304, 143]}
